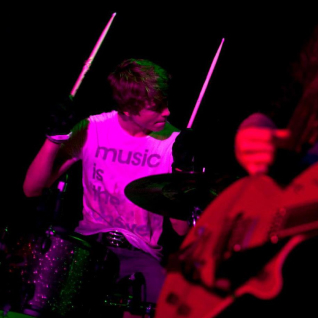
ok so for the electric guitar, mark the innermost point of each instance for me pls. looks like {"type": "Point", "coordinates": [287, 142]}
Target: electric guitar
{"type": "Point", "coordinates": [239, 245]}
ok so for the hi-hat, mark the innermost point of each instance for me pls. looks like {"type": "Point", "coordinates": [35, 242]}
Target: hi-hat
{"type": "Point", "coordinates": [175, 195]}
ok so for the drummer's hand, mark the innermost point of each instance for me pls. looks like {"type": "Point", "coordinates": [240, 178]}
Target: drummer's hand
{"type": "Point", "coordinates": [185, 151]}
{"type": "Point", "coordinates": [62, 117]}
{"type": "Point", "coordinates": [255, 147]}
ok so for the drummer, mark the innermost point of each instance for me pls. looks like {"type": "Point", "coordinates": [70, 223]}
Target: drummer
{"type": "Point", "coordinates": [130, 142]}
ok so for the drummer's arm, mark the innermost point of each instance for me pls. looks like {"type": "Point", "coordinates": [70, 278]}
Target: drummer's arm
{"type": "Point", "coordinates": [46, 167]}
{"type": "Point", "coordinates": [180, 227]}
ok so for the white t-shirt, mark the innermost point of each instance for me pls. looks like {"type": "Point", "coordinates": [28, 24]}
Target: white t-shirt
{"type": "Point", "coordinates": [111, 159]}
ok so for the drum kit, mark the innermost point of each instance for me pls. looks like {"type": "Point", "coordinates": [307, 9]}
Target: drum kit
{"type": "Point", "coordinates": [56, 274]}
{"type": "Point", "coordinates": [51, 274]}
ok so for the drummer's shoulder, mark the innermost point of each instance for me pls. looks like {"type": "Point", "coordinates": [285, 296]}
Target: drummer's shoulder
{"type": "Point", "coordinates": [170, 128]}
{"type": "Point", "coordinates": [168, 131]}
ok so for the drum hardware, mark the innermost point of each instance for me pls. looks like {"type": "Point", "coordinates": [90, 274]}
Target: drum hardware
{"type": "Point", "coordinates": [128, 304]}
{"type": "Point", "coordinates": [195, 215]}
{"type": "Point", "coordinates": [129, 295]}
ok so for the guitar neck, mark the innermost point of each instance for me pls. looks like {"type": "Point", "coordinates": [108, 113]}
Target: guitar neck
{"type": "Point", "coordinates": [294, 220]}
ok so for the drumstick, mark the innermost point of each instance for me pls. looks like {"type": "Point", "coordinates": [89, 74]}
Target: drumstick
{"type": "Point", "coordinates": [92, 56]}
{"type": "Point", "coordinates": [196, 107]}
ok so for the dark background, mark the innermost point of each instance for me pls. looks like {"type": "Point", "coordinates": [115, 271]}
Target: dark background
{"type": "Point", "coordinates": [45, 46]}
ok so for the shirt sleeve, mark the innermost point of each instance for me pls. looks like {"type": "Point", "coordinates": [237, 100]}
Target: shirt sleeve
{"type": "Point", "coordinates": [73, 146]}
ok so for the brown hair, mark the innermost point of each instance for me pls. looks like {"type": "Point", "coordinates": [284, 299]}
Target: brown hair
{"type": "Point", "coordinates": [135, 81]}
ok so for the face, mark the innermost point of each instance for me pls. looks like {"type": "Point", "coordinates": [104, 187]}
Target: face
{"type": "Point", "coordinates": [151, 118]}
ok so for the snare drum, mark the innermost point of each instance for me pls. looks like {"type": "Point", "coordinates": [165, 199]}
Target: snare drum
{"type": "Point", "coordinates": [61, 275]}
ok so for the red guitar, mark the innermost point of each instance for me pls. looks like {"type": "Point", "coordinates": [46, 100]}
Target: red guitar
{"type": "Point", "coordinates": [239, 245]}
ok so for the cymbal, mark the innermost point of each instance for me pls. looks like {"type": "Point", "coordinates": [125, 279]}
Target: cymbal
{"type": "Point", "coordinates": [174, 195]}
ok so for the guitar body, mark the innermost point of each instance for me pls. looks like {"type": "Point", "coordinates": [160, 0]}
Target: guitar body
{"type": "Point", "coordinates": [239, 245]}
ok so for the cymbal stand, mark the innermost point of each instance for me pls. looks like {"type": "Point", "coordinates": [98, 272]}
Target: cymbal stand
{"type": "Point", "coordinates": [195, 215]}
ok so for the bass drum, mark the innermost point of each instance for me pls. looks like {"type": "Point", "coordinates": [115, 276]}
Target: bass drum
{"type": "Point", "coordinates": [58, 274]}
